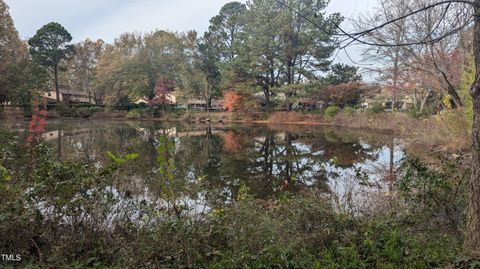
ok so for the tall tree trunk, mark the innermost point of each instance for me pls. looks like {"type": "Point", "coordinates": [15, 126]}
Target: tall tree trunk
{"type": "Point", "coordinates": [395, 82]}
{"type": "Point", "coordinates": [395, 76]}
{"type": "Point", "coordinates": [394, 101]}
{"type": "Point", "coordinates": [472, 239]}
{"type": "Point", "coordinates": [288, 96]}
{"type": "Point", "coordinates": [57, 90]}
{"type": "Point", "coordinates": [451, 89]}
{"type": "Point", "coordinates": [290, 79]}
{"type": "Point", "coordinates": [424, 101]}
{"type": "Point", "coordinates": [208, 103]}
{"type": "Point", "coordinates": [457, 102]}
{"type": "Point", "coordinates": [266, 92]}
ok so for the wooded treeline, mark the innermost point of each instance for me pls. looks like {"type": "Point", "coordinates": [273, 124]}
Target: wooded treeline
{"type": "Point", "coordinates": [264, 47]}
{"type": "Point", "coordinates": [258, 47]}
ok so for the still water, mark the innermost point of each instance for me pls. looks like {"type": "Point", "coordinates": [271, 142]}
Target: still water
{"type": "Point", "coordinates": [268, 161]}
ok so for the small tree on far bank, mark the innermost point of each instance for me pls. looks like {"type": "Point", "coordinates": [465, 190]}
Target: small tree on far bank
{"type": "Point", "coordinates": [237, 101]}
{"type": "Point", "coordinates": [163, 95]}
{"type": "Point", "coordinates": [49, 46]}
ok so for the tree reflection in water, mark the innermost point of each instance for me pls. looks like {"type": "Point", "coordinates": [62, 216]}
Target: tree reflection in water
{"type": "Point", "coordinates": [269, 161]}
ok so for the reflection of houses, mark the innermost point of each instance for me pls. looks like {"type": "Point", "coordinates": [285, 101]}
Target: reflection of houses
{"type": "Point", "coordinates": [51, 135]}
{"type": "Point", "coordinates": [63, 134]}
{"type": "Point", "coordinates": [263, 139]}
{"type": "Point", "coordinates": [173, 132]}
{"type": "Point", "coordinates": [384, 98]}
{"type": "Point", "coordinates": [195, 133]}
{"type": "Point", "coordinates": [69, 96]}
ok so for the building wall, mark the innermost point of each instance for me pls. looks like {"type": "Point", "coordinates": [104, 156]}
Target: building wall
{"type": "Point", "coordinates": [74, 97]}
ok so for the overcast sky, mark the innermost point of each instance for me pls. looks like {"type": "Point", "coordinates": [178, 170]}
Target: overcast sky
{"type": "Point", "coordinates": [107, 19]}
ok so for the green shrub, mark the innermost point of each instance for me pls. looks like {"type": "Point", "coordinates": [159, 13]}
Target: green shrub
{"type": "Point", "coordinates": [84, 112]}
{"type": "Point", "coordinates": [349, 111]}
{"type": "Point", "coordinates": [379, 244]}
{"type": "Point", "coordinates": [305, 232]}
{"type": "Point", "coordinates": [436, 190]}
{"type": "Point", "coordinates": [375, 109]}
{"type": "Point", "coordinates": [134, 114]}
{"type": "Point", "coordinates": [95, 109]}
{"type": "Point", "coordinates": [65, 110]}
{"type": "Point", "coordinates": [331, 111]}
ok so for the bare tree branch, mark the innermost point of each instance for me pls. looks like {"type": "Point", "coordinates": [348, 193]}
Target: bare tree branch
{"type": "Point", "coordinates": [357, 36]}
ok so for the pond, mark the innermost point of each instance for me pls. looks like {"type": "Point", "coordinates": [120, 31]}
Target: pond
{"type": "Point", "coordinates": [268, 161]}
{"type": "Point", "coordinates": [138, 194]}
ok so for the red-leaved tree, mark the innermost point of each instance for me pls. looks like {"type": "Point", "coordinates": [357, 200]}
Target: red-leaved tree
{"type": "Point", "coordinates": [162, 93]}
{"type": "Point", "coordinates": [342, 95]}
{"type": "Point", "coordinates": [37, 123]}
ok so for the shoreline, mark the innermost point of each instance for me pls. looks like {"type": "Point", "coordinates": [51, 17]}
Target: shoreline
{"type": "Point", "coordinates": [221, 117]}
{"type": "Point", "coordinates": [447, 133]}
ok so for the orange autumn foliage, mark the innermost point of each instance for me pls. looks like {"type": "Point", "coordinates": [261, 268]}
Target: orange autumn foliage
{"type": "Point", "coordinates": [232, 101]}
{"type": "Point", "coordinates": [232, 142]}
{"type": "Point", "coordinates": [235, 101]}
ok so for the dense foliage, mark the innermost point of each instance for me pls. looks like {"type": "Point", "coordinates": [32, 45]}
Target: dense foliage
{"type": "Point", "coordinates": [13, 58]}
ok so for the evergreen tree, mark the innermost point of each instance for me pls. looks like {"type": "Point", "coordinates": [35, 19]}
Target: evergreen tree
{"type": "Point", "coordinates": [49, 47]}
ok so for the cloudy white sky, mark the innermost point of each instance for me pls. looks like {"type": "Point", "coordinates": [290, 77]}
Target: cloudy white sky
{"type": "Point", "coordinates": [106, 19]}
